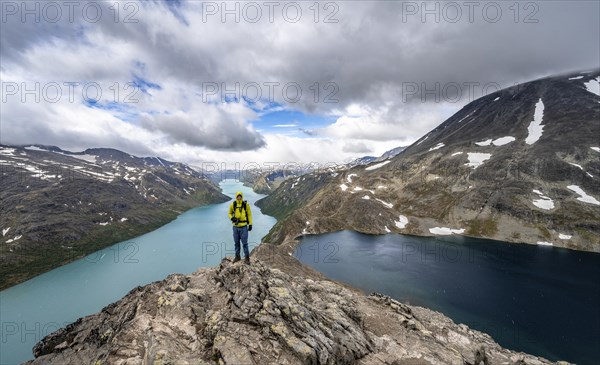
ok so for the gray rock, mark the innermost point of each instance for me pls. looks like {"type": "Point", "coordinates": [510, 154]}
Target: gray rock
{"type": "Point", "coordinates": [259, 314]}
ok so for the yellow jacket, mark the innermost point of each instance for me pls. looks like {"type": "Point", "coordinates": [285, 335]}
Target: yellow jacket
{"type": "Point", "coordinates": [237, 210]}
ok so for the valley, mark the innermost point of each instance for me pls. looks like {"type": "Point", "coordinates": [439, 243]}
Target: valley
{"type": "Point", "coordinates": [57, 206]}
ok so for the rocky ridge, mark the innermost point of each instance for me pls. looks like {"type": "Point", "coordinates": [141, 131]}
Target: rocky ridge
{"type": "Point", "coordinates": [261, 314]}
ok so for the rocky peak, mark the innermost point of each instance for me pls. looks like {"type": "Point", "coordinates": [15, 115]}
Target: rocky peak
{"type": "Point", "coordinates": [257, 314]}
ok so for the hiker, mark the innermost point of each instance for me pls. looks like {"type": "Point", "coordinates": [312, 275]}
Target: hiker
{"type": "Point", "coordinates": [241, 217]}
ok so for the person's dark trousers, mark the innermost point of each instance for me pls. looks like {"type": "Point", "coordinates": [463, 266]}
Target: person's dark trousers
{"type": "Point", "coordinates": [241, 233]}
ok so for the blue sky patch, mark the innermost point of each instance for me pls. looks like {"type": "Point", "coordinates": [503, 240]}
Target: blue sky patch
{"type": "Point", "coordinates": [292, 122]}
{"type": "Point", "coordinates": [125, 112]}
{"type": "Point", "coordinates": [144, 85]}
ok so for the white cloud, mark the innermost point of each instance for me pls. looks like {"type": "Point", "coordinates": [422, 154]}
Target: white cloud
{"type": "Point", "coordinates": [369, 54]}
{"type": "Point", "coordinates": [355, 147]}
{"type": "Point", "coordinates": [385, 123]}
{"type": "Point", "coordinates": [215, 126]}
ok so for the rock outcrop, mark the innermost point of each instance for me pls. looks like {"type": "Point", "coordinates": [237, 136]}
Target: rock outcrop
{"type": "Point", "coordinates": [259, 314]}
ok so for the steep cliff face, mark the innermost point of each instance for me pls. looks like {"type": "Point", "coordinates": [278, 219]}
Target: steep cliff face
{"type": "Point", "coordinates": [520, 165]}
{"type": "Point", "coordinates": [258, 314]}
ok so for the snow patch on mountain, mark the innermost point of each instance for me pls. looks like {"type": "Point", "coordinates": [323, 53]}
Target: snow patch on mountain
{"type": "Point", "coordinates": [389, 205]}
{"type": "Point", "coordinates": [536, 128]}
{"type": "Point", "coordinates": [16, 238]}
{"type": "Point", "coordinates": [437, 146]}
{"type": "Point", "coordinates": [88, 158]}
{"type": "Point", "coordinates": [423, 140]}
{"type": "Point", "coordinates": [35, 148]}
{"type": "Point", "coordinates": [593, 86]}
{"type": "Point", "coordinates": [503, 140]}
{"type": "Point", "coordinates": [583, 196]}
{"type": "Point", "coordinates": [496, 142]}
{"type": "Point", "coordinates": [576, 165]}
{"type": "Point", "coordinates": [445, 231]}
{"type": "Point", "coordinates": [402, 222]}
{"type": "Point", "coordinates": [487, 142]}
{"type": "Point", "coordinates": [465, 117]}
{"type": "Point", "coordinates": [581, 168]}
{"type": "Point", "coordinates": [7, 151]}
{"type": "Point", "coordinates": [544, 202]}
{"type": "Point", "coordinates": [377, 165]}
{"type": "Point", "coordinates": [477, 159]}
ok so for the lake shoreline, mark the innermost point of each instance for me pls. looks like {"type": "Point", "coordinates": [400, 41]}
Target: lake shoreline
{"type": "Point", "coordinates": [196, 238]}
{"type": "Point", "coordinates": [470, 268]}
{"type": "Point", "coordinates": [91, 248]}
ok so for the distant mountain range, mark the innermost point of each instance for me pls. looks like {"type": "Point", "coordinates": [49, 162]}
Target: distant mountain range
{"type": "Point", "coordinates": [265, 181]}
{"type": "Point", "coordinates": [519, 165]}
{"type": "Point", "coordinates": [365, 160]}
{"type": "Point", "coordinates": [58, 205]}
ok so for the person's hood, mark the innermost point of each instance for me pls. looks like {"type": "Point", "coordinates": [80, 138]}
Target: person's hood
{"type": "Point", "coordinates": [238, 193]}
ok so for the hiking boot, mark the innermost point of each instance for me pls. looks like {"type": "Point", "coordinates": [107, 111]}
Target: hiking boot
{"type": "Point", "coordinates": [247, 260]}
{"type": "Point", "coordinates": [237, 258]}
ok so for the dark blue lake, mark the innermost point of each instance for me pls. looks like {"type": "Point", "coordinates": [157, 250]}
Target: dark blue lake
{"type": "Point", "coordinates": [536, 299]}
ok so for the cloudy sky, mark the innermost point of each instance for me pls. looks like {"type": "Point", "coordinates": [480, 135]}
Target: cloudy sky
{"type": "Point", "coordinates": [270, 82]}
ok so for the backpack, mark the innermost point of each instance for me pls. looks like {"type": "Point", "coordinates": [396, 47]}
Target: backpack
{"type": "Point", "coordinates": [244, 208]}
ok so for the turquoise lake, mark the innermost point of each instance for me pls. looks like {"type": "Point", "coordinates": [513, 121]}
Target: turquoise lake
{"type": "Point", "coordinates": [540, 300]}
{"type": "Point", "coordinates": [200, 237]}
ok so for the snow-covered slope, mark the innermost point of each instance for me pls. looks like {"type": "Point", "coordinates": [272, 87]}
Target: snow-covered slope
{"type": "Point", "coordinates": [521, 165]}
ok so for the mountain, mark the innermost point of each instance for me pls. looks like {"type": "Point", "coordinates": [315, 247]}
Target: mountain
{"type": "Point", "coordinates": [389, 154]}
{"type": "Point", "coordinates": [361, 161]}
{"type": "Point", "coordinates": [57, 206]}
{"type": "Point", "coordinates": [261, 314]}
{"type": "Point", "coordinates": [215, 174]}
{"type": "Point", "coordinates": [365, 160]}
{"type": "Point", "coordinates": [265, 182]}
{"type": "Point", "coordinates": [519, 165]}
